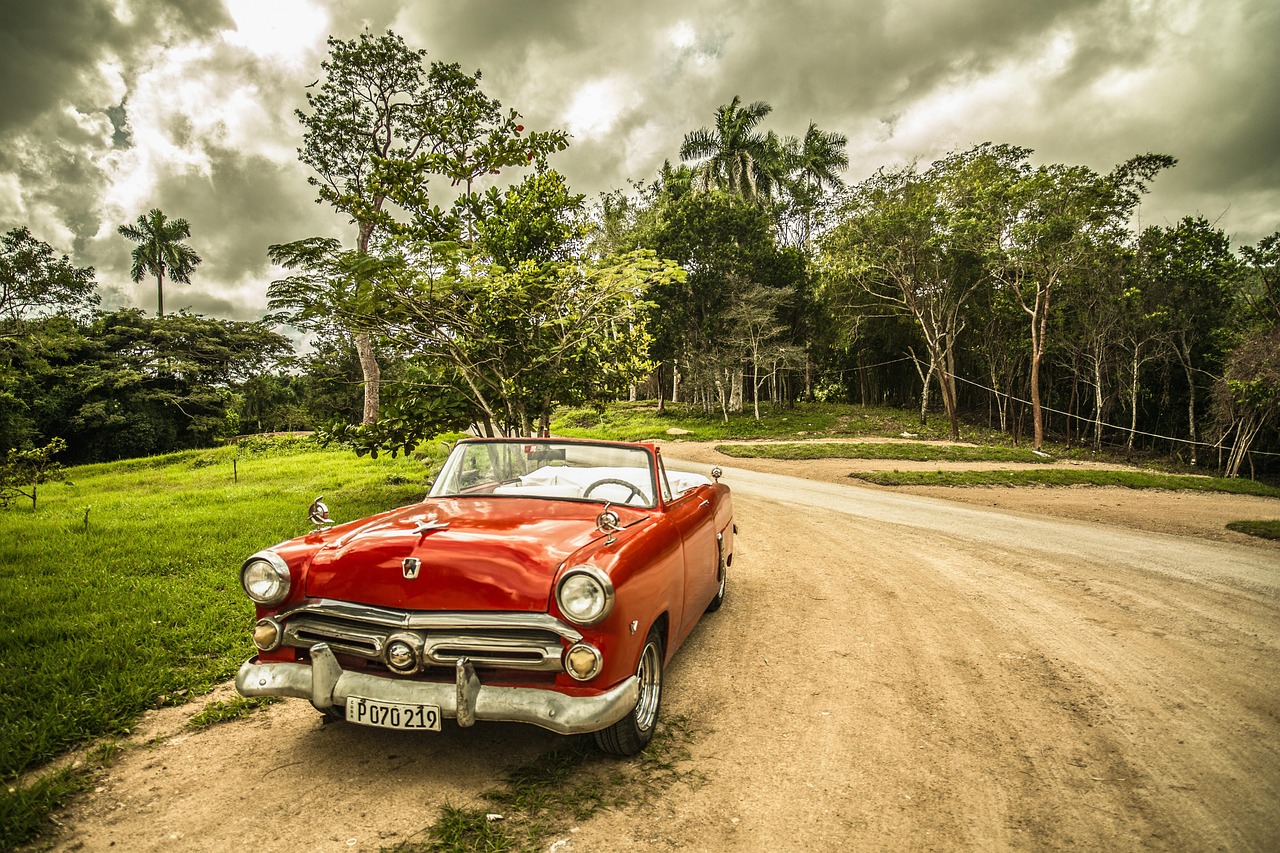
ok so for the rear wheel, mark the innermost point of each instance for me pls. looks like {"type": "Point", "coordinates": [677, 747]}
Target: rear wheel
{"type": "Point", "coordinates": [634, 731]}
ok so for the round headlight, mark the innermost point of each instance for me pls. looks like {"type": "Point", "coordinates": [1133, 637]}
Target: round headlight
{"type": "Point", "coordinates": [265, 578]}
{"type": "Point", "coordinates": [585, 595]}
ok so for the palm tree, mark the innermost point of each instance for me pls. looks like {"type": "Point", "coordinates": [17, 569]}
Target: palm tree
{"type": "Point", "coordinates": [813, 164]}
{"type": "Point", "coordinates": [159, 251]}
{"type": "Point", "coordinates": [735, 157]}
{"type": "Point", "coordinates": [814, 161]}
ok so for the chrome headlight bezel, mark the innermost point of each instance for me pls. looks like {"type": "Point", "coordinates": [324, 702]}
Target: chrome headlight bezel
{"type": "Point", "coordinates": [268, 634]}
{"type": "Point", "coordinates": [585, 581]}
{"type": "Point", "coordinates": [265, 578]}
{"type": "Point", "coordinates": [593, 656]}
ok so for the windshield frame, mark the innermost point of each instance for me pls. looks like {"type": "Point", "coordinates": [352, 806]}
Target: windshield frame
{"type": "Point", "coordinates": [540, 469]}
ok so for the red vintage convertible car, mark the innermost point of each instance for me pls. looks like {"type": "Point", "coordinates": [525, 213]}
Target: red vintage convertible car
{"type": "Point", "coordinates": [541, 581]}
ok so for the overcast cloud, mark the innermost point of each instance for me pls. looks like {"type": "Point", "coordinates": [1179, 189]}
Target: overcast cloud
{"type": "Point", "coordinates": [113, 107]}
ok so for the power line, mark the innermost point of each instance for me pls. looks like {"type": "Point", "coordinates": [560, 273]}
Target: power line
{"type": "Point", "coordinates": [1104, 423]}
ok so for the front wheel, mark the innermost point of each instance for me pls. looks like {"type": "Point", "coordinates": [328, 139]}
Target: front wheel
{"type": "Point", "coordinates": [634, 731]}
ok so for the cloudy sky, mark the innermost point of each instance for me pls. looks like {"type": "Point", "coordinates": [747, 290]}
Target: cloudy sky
{"type": "Point", "coordinates": [112, 107]}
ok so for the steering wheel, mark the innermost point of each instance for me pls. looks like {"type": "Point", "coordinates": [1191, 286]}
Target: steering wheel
{"type": "Point", "coordinates": [613, 481]}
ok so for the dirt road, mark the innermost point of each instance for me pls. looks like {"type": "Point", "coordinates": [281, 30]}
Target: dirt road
{"type": "Point", "coordinates": [889, 672]}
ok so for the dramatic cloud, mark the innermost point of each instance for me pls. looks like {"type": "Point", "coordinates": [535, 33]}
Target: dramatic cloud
{"type": "Point", "coordinates": [112, 107]}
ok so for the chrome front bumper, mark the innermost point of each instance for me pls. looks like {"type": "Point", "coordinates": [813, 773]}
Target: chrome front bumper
{"type": "Point", "coordinates": [326, 684]}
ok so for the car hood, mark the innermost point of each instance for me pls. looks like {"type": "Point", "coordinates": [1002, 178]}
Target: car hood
{"type": "Point", "coordinates": [477, 554]}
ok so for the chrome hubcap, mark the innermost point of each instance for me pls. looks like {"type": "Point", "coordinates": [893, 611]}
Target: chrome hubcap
{"type": "Point", "coordinates": [650, 674]}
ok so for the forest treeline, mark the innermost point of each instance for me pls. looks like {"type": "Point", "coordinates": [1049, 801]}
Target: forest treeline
{"type": "Point", "coordinates": [747, 272]}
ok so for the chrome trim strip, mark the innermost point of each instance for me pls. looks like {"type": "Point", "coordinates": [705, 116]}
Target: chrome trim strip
{"type": "Point", "coordinates": [556, 712]}
{"type": "Point", "coordinates": [426, 620]}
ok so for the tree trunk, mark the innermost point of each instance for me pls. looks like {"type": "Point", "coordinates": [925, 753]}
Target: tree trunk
{"type": "Point", "coordinates": [372, 376]}
{"type": "Point", "coordinates": [364, 346]}
{"type": "Point", "coordinates": [1135, 365]}
{"type": "Point", "coordinates": [1184, 356]}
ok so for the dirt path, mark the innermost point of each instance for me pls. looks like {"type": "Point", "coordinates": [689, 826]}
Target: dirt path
{"type": "Point", "coordinates": [890, 672]}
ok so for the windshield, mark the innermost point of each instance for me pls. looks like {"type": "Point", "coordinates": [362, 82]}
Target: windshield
{"type": "Point", "coordinates": [535, 468]}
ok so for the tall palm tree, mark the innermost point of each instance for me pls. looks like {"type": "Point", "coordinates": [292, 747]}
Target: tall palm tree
{"type": "Point", "coordinates": [159, 250]}
{"type": "Point", "coordinates": [736, 157]}
{"type": "Point", "coordinates": [814, 161]}
{"type": "Point", "coordinates": [813, 164]}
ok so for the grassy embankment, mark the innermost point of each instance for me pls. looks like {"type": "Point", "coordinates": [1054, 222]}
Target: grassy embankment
{"type": "Point", "coordinates": [121, 593]}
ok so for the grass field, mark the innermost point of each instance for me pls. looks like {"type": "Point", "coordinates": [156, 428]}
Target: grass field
{"type": "Point", "coordinates": [912, 450]}
{"type": "Point", "coordinates": [1128, 479]}
{"type": "Point", "coordinates": [121, 591]}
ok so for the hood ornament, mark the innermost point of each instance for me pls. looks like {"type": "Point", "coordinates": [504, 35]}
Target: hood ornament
{"type": "Point", "coordinates": [609, 523]}
{"type": "Point", "coordinates": [318, 514]}
{"type": "Point", "coordinates": [424, 526]}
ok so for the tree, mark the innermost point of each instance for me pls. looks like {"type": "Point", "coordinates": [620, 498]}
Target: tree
{"type": "Point", "coordinates": [813, 165]}
{"type": "Point", "coordinates": [1055, 219]}
{"type": "Point", "coordinates": [524, 338]}
{"type": "Point", "coordinates": [1247, 398]}
{"type": "Point", "coordinates": [33, 279]}
{"type": "Point", "coordinates": [160, 251]}
{"type": "Point", "coordinates": [381, 125]}
{"type": "Point", "coordinates": [722, 241]}
{"type": "Point", "coordinates": [28, 469]}
{"type": "Point", "coordinates": [754, 329]}
{"type": "Point", "coordinates": [1260, 287]}
{"type": "Point", "coordinates": [1192, 269]}
{"type": "Point", "coordinates": [913, 243]}
{"type": "Point", "coordinates": [735, 156]}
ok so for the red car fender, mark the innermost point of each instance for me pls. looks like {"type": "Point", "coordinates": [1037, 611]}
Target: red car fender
{"type": "Point", "coordinates": [646, 566]}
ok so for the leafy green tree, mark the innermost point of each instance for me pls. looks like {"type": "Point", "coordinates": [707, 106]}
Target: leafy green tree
{"type": "Point", "coordinates": [521, 339]}
{"type": "Point", "coordinates": [381, 125]}
{"type": "Point", "coordinates": [1193, 272]}
{"type": "Point", "coordinates": [21, 470]}
{"type": "Point", "coordinates": [160, 251]}
{"type": "Point", "coordinates": [538, 220]}
{"type": "Point", "coordinates": [913, 243]}
{"type": "Point", "coordinates": [1260, 287]}
{"type": "Point", "coordinates": [1055, 219]}
{"type": "Point", "coordinates": [1247, 398]}
{"type": "Point", "coordinates": [33, 279]}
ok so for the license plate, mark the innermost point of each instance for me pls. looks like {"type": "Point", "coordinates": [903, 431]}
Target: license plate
{"type": "Point", "coordinates": [392, 715]}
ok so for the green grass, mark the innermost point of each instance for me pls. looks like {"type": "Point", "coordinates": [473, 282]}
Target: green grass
{"type": "Point", "coordinates": [232, 709]}
{"type": "Point", "coordinates": [913, 450]}
{"type": "Point", "coordinates": [1128, 479]}
{"type": "Point", "coordinates": [1262, 529]}
{"type": "Point", "coordinates": [543, 798]}
{"type": "Point", "coordinates": [121, 592]}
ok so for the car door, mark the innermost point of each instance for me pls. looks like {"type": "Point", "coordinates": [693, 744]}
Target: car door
{"type": "Point", "coordinates": [694, 516]}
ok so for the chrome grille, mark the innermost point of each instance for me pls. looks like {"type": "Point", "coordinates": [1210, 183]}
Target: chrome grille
{"type": "Point", "coordinates": [525, 641]}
